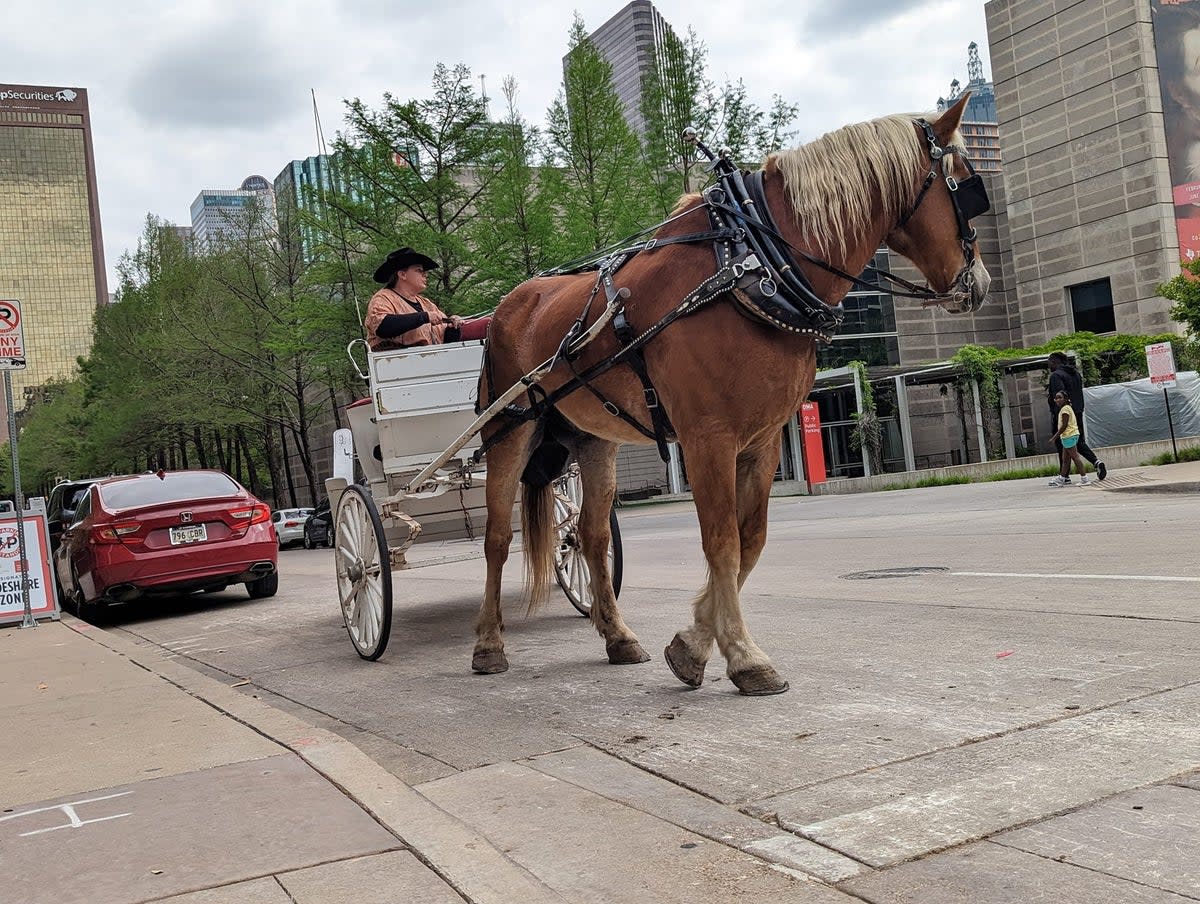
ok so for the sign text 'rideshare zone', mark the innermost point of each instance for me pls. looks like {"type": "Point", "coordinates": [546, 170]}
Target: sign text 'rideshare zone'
{"type": "Point", "coordinates": [1160, 360]}
{"type": "Point", "coordinates": [12, 569]}
{"type": "Point", "coordinates": [12, 335]}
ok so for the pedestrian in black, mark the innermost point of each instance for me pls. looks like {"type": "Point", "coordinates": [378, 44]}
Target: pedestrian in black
{"type": "Point", "coordinates": [1065, 378]}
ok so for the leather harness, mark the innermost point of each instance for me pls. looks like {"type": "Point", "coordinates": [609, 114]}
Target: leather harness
{"type": "Point", "coordinates": [755, 266]}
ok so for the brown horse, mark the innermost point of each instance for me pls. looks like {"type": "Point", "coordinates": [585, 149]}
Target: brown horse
{"type": "Point", "coordinates": [728, 382]}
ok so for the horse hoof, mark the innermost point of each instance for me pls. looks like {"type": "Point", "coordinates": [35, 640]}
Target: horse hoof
{"type": "Point", "coordinates": [489, 662]}
{"type": "Point", "coordinates": [685, 666]}
{"type": "Point", "coordinates": [760, 681]}
{"type": "Point", "coordinates": [627, 652]}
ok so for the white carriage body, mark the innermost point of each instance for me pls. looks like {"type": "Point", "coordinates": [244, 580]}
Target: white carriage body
{"type": "Point", "coordinates": [422, 400]}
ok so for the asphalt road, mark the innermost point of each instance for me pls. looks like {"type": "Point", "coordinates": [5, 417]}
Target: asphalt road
{"type": "Point", "coordinates": [1042, 657]}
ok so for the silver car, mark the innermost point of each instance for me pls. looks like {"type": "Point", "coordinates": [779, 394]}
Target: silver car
{"type": "Point", "coordinates": [289, 525]}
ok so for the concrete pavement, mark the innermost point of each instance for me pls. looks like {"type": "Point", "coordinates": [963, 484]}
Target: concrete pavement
{"type": "Point", "coordinates": [137, 778]}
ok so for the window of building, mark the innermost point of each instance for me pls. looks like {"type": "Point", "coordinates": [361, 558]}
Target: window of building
{"type": "Point", "coordinates": [1092, 306]}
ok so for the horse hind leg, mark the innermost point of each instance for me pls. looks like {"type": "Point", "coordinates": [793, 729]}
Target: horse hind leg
{"type": "Point", "coordinates": [597, 466]}
{"type": "Point", "coordinates": [505, 461]}
{"type": "Point", "coordinates": [720, 478]}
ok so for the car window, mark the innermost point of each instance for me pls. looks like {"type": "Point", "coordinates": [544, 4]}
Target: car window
{"type": "Point", "coordinates": [84, 507]}
{"type": "Point", "coordinates": [178, 486]}
{"type": "Point", "coordinates": [76, 496]}
{"type": "Point", "coordinates": [275, 516]}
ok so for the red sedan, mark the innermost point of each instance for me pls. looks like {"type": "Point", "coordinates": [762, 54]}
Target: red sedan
{"type": "Point", "coordinates": [169, 532]}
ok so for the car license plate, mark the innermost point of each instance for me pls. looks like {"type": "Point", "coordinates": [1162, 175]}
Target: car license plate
{"type": "Point", "coordinates": [190, 533]}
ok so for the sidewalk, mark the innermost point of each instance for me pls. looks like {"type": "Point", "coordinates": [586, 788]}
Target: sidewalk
{"type": "Point", "coordinates": [133, 778]}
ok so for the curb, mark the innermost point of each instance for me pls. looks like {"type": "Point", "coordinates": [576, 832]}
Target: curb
{"type": "Point", "coordinates": [462, 857]}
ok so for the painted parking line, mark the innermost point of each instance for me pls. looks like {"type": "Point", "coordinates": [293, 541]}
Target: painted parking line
{"type": "Point", "coordinates": [1080, 577]}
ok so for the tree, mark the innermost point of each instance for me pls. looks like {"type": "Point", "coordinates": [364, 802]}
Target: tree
{"type": "Point", "coordinates": [676, 95]}
{"type": "Point", "coordinates": [749, 132]}
{"type": "Point", "coordinates": [602, 187]}
{"type": "Point", "coordinates": [513, 235]}
{"type": "Point", "coordinates": [412, 173]}
{"type": "Point", "coordinates": [1184, 290]}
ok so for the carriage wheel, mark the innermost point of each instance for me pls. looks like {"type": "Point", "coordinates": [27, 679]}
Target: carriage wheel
{"type": "Point", "coordinates": [364, 576]}
{"type": "Point", "coordinates": [570, 567]}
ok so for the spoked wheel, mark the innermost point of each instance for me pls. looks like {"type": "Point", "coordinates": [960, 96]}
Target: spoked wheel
{"type": "Point", "coordinates": [570, 566]}
{"type": "Point", "coordinates": [364, 575]}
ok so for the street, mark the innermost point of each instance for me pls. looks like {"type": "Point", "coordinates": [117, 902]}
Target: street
{"type": "Point", "coordinates": [992, 693]}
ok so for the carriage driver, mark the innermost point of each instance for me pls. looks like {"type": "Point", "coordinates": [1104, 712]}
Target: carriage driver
{"type": "Point", "coordinates": [399, 316]}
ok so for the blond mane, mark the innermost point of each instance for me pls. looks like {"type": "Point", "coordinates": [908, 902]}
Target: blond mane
{"type": "Point", "coordinates": [831, 182]}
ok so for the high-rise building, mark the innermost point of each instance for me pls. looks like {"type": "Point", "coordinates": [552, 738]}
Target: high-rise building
{"type": "Point", "coordinates": [628, 42]}
{"type": "Point", "coordinates": [1091, 229]}
{"type": "Point", "coordinates": [301, 184]}
{"type": "Point", "coordinates": [221, 213]}
{"type": "Point", "coordinates": [51, 251]}
{"type": "Point", "coordinates": [980, 129]}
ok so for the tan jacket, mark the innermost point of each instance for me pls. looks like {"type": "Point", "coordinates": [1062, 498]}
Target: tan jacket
{"type": "Point", "coordinates": [389, 301]}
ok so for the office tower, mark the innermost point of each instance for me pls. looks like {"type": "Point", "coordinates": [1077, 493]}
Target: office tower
{"type": "Point", "coordinates": [628, 41]}
{"type": "Point", "coordinates": [51, 251]}
{"type": "Point", "coordinates": [218, 214]}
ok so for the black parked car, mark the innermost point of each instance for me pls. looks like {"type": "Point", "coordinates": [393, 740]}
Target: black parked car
{"type": "Point", "coordinates": [318, 529]}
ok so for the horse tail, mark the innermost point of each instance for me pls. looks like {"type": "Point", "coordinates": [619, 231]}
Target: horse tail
{"type": "Point", "coordinates": [538, 538]}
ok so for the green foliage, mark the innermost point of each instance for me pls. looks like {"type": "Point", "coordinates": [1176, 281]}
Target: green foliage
{"type": "Point", "coordinates": [867, 433]}
{"type": "Point", "coordinates": [929, 482]}
{"type": "Point", "coordinates": [599, 180]}
{"type": "Point", "coordinates": [676, 95]}
{"type": "Point", "coordinates": [1184, 290]}
{"type": "Point", "coordinates": [1187, 453]}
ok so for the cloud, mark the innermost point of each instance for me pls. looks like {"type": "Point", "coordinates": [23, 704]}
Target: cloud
{"type": "Point", "coordinates": [220, 77]}
{"type": "Point", "coordinates": [844, 20]}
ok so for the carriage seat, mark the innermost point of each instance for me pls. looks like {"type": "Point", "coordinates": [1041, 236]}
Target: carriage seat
{"type": "Point", "coordinates": [423, 399]}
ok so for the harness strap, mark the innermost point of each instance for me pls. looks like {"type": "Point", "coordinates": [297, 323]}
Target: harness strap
{"type": "Point", "coordinates": [705, 293]}
{"type": "Point", "coordinates": [637, 363]}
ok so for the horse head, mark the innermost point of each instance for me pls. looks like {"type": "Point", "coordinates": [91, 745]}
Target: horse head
{"type": "Point", "coordinates": [935, 232]}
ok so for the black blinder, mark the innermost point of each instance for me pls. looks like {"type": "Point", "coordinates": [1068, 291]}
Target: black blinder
{"type": "Point", "coordinates": [972, 197]}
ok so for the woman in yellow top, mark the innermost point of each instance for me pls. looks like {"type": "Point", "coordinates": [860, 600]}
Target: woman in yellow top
{"type": "Point", "coordinates": [1068, 434]}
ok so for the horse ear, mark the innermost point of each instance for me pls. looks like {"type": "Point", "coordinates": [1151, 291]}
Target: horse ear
{"type": "Point", "coordinates": [947, 123]}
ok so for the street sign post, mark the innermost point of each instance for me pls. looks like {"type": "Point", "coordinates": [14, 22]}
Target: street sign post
{"type": "Point", "coordinates": [12, 357]}
{"type": "Point", "coordinates": [1160, 361]}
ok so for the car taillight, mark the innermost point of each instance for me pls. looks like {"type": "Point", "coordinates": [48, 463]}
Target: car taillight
{"type": "Point", "coordinates": [291, 524]}
{"type": "Point", "coordinates": [250, 514]}
{"type": "Point", "coordinates": [117, 532]}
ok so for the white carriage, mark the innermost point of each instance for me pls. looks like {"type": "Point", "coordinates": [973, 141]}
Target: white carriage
{"type": "Point", "coordinates": [414, 439]}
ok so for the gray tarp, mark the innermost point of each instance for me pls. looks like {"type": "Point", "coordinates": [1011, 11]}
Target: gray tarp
{"type": "Point", "coordinates": [1135, 412]}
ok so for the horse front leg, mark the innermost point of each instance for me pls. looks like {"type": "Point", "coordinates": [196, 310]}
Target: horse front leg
{"type": "Point", "coordinates": [714, 471]}
{"type": "Point", "coordinates": [756, 469]}
{"type": "Point", "coordinates": [505, 464]}
{"type": "Point", "coordinates": [597, 467]}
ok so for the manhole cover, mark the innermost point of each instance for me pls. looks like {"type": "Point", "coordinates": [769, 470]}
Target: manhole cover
{"type": "Point", "coordinates": [911, 572]}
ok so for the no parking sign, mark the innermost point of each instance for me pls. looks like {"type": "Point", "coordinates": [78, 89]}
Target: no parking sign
{"type": "Point", "coordinates": [12, 335]}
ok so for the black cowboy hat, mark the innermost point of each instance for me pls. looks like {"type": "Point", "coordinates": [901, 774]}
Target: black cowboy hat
{"type": "Point", "coordinates": [399, 260]}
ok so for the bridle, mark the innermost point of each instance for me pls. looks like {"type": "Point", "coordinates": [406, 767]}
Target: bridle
{"type": "Point", "coordinates": [969, 199]}
{"type": "Point", "coordinates": [739, 200]}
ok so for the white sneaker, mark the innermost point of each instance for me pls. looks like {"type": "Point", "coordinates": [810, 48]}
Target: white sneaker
{"type": "Point", "coordinates": [1060, 481]}
{"type": "Point", "coordinates": [1083, 480]}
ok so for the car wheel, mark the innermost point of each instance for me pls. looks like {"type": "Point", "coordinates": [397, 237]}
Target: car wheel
{"type": "Point", "coordinates": [329, 537]}
{"type": "Point", "coordinates": [263, 587]}
{"type": "Point", "coordinates": [308, 541]}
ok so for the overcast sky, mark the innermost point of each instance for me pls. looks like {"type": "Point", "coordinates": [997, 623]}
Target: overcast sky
{"type": "Point", "coordinates": [187, 96]}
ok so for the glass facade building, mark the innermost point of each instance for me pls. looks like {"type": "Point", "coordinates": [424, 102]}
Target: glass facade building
{"type": "Point", "coordinates": [51, 252]}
